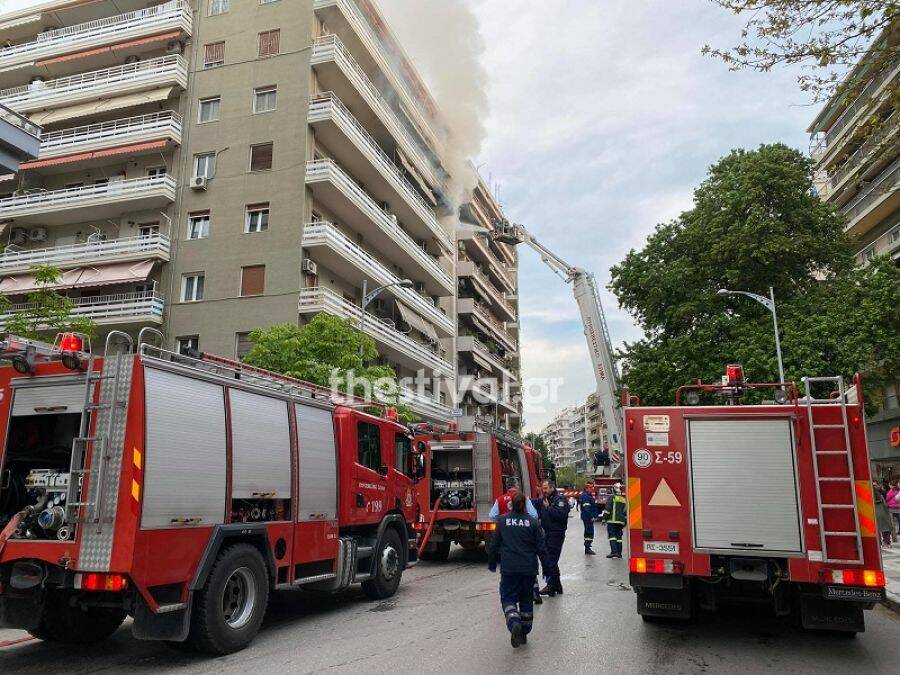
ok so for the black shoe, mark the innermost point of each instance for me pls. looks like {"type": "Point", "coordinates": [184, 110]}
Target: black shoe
{"type": "Point", "coordinates": [517, 638]}
{"type": "Point", "coordinates": [538, 600]}
{"type": "Point", "coordinates": [559, 587]}
{"type": "Point", "coordinates": [589, 551]}
{"type": "Point", "coordinates": [524, 638]}
{"type": "Point", "coordinates": [549, 590]}
{"type": "Point", "coordinates": [611, 555]}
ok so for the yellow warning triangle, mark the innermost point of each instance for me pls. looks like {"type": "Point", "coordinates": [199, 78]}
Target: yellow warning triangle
{"type": "Point", "coordinates": [664, 496]}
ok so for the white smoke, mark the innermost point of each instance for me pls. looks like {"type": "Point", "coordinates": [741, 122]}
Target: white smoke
{"type": "Point", "coordinates": [443, 41]}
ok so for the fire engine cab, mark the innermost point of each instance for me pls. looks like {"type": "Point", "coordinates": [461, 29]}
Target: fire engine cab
{"type": "Point", "coordinates": [182, 490]}
{"type": "Point", "coordinates": [770, 501]}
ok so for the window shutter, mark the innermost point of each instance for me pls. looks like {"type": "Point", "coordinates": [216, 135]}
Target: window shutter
{"type": "Point", "coordinates": [253, 280]}
{"type": "Point", "coordinates": [269, 42]}
{"type": "Point", "coordinates": [215, 53]}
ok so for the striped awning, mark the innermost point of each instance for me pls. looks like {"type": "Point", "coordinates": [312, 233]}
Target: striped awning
{"type": "Point", "coordinates": [96, 154]}
{"type": "Point", "coordinates": [81, 277]}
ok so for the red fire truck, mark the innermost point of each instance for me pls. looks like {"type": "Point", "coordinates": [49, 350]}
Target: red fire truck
{"type": "Point", "coordinates": [183, 490]}
{"type": "Point", "coordinates": [465, 472]}
{"type": "Point", "coordinates": [766, 502]}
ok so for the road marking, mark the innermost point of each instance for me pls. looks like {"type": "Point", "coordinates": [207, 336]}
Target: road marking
{"type": "Point", "coordinates": [663, 496]}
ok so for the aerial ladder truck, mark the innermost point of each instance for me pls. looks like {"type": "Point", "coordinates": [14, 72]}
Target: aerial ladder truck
{"type": "Point", "coordinates": [595, 331]}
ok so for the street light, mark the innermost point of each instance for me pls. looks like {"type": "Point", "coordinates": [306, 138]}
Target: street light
{"type": "Point", "coordinates": [768, 303]}
{"type": "Point", "coordinates": [368, 297]}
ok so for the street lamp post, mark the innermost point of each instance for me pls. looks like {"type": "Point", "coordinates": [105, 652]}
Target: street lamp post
{"type": "Point", "coordinates": [768, 303]}
{"type": "Point", "coordinates": [369, 296]}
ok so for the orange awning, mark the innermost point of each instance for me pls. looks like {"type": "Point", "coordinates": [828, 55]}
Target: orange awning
{"type": "Point", "coordinates": [81, 277]}
{"type": "Point", "coordinates": [165, 37]}
{"type": "Point", "coordinates": [82, 156]}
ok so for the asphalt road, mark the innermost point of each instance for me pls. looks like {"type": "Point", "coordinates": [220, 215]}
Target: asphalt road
{"type": "Point", "coordinates": [446, 619]}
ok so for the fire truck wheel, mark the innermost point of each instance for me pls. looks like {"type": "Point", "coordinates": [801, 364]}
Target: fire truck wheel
{"type": "Point", "coordinates": [229, 609]}
{"type": "Point", "coordinates": [74, 625]}
{"type": "Point", "coordinates": [388, 567]}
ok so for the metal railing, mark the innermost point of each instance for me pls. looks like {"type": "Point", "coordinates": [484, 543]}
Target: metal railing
{"type": "Point", "coordinates": [471, 269]}
{"type": "Point", "coordinates": [485, 315]}
{"type": "Point", "coordinates": [887, 182]}
{"type": "Point", "coordinates": [328, 169]}
{"type": "Point", "coordinates": [318, 299]}
{"type": "Point", "coordinates": [20, 121]}
{"type": "Point", "coordinates": [890, 124]}
{"type": "Point", "coordinates": [328, 104]}
{"type": "Point", "coordinates": [66, 140]}
{"type": "Point", "coordinates": [70, 197]}
{"type": "Point", "coordinates": [324, 233]}
{"type": "Point", "coordinates": [154, 245]}
{"type": "Point", "coordinates": [424, 405]}
{"type": "Point", "coordinates": [94, 83]}
{"type": "Point", "coordinates": [99, 31]}
{"type": "Point", "coordinates": [887, 244]}
{"type": "Point", "coordinates": [133, 305]}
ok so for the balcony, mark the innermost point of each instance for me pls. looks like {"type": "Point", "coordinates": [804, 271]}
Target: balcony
{"type": "Point", "coordinates": [338, 71]}
{"type": "Point", "coordinates": [335, 250]}
{"type": "Point", "coordinates": [357, 150]}
{"type": "Point", "coordinates": [125, 79]}
{"type": "Point", "coordinates": [90, 202]}
{"type": "Point", "coordinates": [118, 308]}
{"type": "Point", "coordinates": [874, 202]}
{"type": "Point", "coordinates": [19, 140]}
{"type": "Point", "coordinates": [169, 20]}
{"type": "Point", "coordinates": [390, 342]}
{"type": "Point", "coordinates": [487, 290]}
{"type": "Point", "coordinates": [876, 148]}
{"type": "Point", "coordinates": [354, 207]}
{"type": "Point", "coordinates": [90, 138]}
{"type": "Point", "coordinates": [485, 320]}
{"type": "Point", "coordinates": [483, 356]}
{"type": "Point", "coordinates": [887, 244]}
{"type": "Point", "coordinates": [480, 251]}
{"type": "Point", "coordinates": [426, 408]}
{"type": "Point", "coordinates": [155, 246]}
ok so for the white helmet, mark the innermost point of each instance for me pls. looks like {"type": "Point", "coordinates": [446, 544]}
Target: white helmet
{"type": "Point", "coordinates": [618, 488]}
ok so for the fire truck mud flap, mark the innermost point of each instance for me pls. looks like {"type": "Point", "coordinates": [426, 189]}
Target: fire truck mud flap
{"type": "Point", "coordinates": [662, 595]}
{"type": "Point", "coordinates": [818, 613]}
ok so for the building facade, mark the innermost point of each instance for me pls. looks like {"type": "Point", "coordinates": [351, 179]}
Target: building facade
{"type": "Point", "coordinates": [559, 435]}
{"type": "Point", "coordinates": [856, 151]}
{"type": "Point", "coordinates": [210, 167]}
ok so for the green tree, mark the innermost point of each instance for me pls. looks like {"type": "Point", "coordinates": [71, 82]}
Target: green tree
{"type": "Point", "coordinates": [48, 312]}
{"type": "Point", "coordinates": [825, 37]}
{"type": "Point", "coordinates": [538, 443]}
{"type": "Point", "coordinates": [755, 223]}
{"type": "Point", "coordinates": [566, 476]}
{"type": "Point", "coordinates": [326, 351]}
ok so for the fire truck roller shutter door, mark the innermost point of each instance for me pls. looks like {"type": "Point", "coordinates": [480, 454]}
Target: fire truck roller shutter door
{"type": "Point", "coordinates": [48, 399]}
{"type": "Point", "coordinates": [526, 475]}
{"type": "Point", "coordinates": [261, 446]}
{"type": "Point", "coordinates": [730, 457]}
{"type": "Point", "coordinates": [318, 464]}
{"type": "Point", "coordinates": [484, 475]}
{"type": "Point", "coordinates": [184, 474]}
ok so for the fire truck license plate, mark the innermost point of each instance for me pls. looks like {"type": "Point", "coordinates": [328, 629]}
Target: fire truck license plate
{"type": "Point", "coordinates": [853, 593]}
{"type": "Point", "coordinates": [670, 547]}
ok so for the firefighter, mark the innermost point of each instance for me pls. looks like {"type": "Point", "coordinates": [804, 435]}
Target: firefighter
{"type": "Point", "coordinates": [614, 517]}
{"type": "Point", "coordinates": [503, 504]}
{"type": "Point", "coordinates": [553, 509]}
{"type": "Point", "coordinates": [588, 507]}
{"type": "Point", "coordinates": [518, 543]}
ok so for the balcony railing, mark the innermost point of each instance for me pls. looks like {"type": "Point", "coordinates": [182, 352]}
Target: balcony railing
{"type": "Point", "coordinates": [326, 169]}
{"type": "Point", "coordinates": [153, 246]}
{"type": "Point", "coordinates": [887, 128]}
{"type": "Point", "coordinates": [330, 48]}
{"type": "Point", "coordinates": [485, 315]}
{"type": "Point", "coordinates": [469, 268]}
{"type": "Point", "coordinates": [426, 407]}
{"type": "Point", "coordinates": [887, 244]}
{"type": "Point", "coordinates": [19, 121]}
{"type": "Point", "coordinates": [326, 234]}
{"type": "Point", "coordinates": [97, 83]}
{"type": "Point", "coordinates": [315, 300]}
{"type": "Point", "coordinates": [112, 133]}
{"type": "Point", "coordinates": [888, 181]}
{"type": "Point", "coordinates": [323, 106]}
{"type": "Point", "coordinates": [105, 309]}
{"type": "Point", "coordinates": [55, 200]}
{"type": "Point", "coordinates": [108, 30]}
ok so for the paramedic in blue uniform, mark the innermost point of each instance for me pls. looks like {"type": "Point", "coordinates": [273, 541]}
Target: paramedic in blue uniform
{"type": "Point", "coordinates": [517, 544]}
{"type": "Point", "coordinates": [503, 504]}
{"type": "Point", "coordinates": [553, 509]}
{"type": "Point", "coordinates": [588, 507]}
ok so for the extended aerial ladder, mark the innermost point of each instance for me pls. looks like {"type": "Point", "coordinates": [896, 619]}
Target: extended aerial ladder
{"type": "Point", "coordinates": [595, 331]}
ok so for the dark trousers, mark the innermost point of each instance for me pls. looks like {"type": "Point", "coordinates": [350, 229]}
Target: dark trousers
{"type": "Point", "coordinates": [554, 543]}
{"type": "Point", "coordinates": [614, 530]}
{"type": "Point", "coordinates": [517, 600]}
{"type": "Point", "coordinates": [588, 531]}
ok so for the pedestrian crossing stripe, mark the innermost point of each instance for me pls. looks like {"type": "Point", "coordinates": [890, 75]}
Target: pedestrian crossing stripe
{"type": "Point", "coordinates": [865, 503]}
{"type": "Point", "coordinates": [634, 504]}
{"type": "Point", "coordinates": [663, 496]}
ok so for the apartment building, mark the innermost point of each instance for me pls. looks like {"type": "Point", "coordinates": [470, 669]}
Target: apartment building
{"type": "Point", "coordinates": [215, 166]}
{"type": "Point", "coordinates": [597, 438]}
{"type": "Point", "coordinates": [580, 441]}
{"type": "Point", "coordinates": [559, 435]}
{"type": "Point", "coordinates": [856, 150]}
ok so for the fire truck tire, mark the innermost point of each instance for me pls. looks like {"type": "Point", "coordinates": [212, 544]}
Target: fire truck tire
{"type": "Point", "coordinates": [229, 609]}
{"type": "Point", "coordinates": [388, 567]}
{"type": "Point", "coordinates": [74, 625]}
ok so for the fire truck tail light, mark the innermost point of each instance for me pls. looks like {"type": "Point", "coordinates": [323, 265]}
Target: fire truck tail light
{"type": "Point", "coordinates": [655, 566]}
{"type": "Point", "coordinates": [854, 577]}
{"type": "Point", "coordinates": [94, 581]}
{"type": "Point", "coordinates": [419, 526]}
{"type": "Point", "coordinates": [70, 342]}
{"type": "Point", "coordinates": [486, 527]}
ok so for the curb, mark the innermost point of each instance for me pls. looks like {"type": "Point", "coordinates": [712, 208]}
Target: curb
{"type": "Point", "coordinates": [892, 602]}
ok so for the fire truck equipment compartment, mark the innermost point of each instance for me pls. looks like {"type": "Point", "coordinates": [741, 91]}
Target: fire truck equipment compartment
{"type": "Point", "coordinates": [318, 464]}
{"type": "Point", "coordinates": [744, 485]}
{"type": "Point", "coordinates": [261, 446]}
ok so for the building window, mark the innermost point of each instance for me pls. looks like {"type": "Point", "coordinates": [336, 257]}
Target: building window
{"type": "Point", "coordinates": [214, 54]}
{"type": "Point", "coordinates": [209, 109]}
{"type": "Point", "coordinates": [242, 345]}
{"type": "Point", "coordinates": [217, 7]}
{"type": "Point", "coordinates": [368, 445]}
{"type": "Point", "coordinates": [188, 344]}
{"type": "Point", "coordinates": [205, 164]}
{"type": "Point", "coordinates": [402, 452]}
{"type": "Point", "coordinates": [868, 254]}
{"type": "Point", "coordinates": [192, 287]}
{"type": "Point", "coordinates": [156, 171]}
{"type": "Point", "coordinates": [264, 99]}
{"type": "Point", "coordinates": [257, 218]}
{"type": "Point", "coordinates": [269, 42]}
{"type": "Point", "coordinates": [261, 157]}
{"type": "Point", "coordinates": [253, 280]}
{"type": "Point", "coordinates": [198, 225]}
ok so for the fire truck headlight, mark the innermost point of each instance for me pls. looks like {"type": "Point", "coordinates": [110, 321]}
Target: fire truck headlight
{"type": "Point", "coordinates": [780, 396]}
{"type": "Point", "coordinates": [71, 361]}
{"type": "Point", "coordinates": [692, 397]}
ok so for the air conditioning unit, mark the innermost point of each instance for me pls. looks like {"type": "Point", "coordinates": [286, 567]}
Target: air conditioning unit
{"type": "Point", "coordinates": [38, 234]}
{"type": "Point", "coordinates": [18, 236]}
{"type": "Point", "coordinates": [175, 47]}
{"type": "Point", "coordinates": [134, 58]}
{"type": "Point", "coordinates": [199, 182]}
{"type": "Point", "coordinates": [309, 267]}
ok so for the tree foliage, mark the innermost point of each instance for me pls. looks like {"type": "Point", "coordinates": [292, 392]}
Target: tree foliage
{"type": "Point", "coordinates": [755, 224]}
{"type": "Point", "coordinates": [48, 312]}
{"type": "Point", "coordinates": [538, 443]}
{"type": "Point", "coordinates": [326, 351]}
{"type": "Point", "coordinates": [567, 476]}
{"type": "Point", "coordinates": [826, 37]}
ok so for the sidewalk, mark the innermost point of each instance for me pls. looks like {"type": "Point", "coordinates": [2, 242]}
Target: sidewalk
{"type": "Point", "coordinates": [891, 559]}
